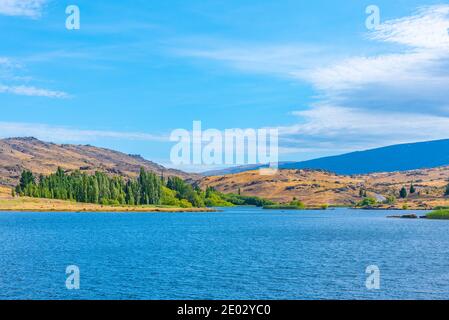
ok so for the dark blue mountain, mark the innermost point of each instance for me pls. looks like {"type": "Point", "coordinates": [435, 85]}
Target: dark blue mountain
{"type": "Point", "coordinates": [386, 159]}
{"type": "Point", "coordinates": [393, 158]}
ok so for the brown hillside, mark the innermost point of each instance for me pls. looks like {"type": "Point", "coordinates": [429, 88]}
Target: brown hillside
{"type": "Point", "coordinates": [312, 187]}
{"type": "Point", "coordinates": [17, 154]}
{"type": "Point", "coordinates": [316, 188]}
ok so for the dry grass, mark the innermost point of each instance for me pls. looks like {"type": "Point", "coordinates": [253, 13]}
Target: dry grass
{"type": "Point", "coordinates": [5, 193]}
{"type": "Point", "coordinates": [316, 188]}
{"type": "Point", "coordinates": [45, 205]}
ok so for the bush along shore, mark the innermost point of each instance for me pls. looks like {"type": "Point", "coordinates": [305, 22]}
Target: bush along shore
{"type": "Point", "coordinates": [146, 191]}
{"type": "Point", "coordinates": [439, 214]}
{"type": "Point", "coordinates": [294, 205]}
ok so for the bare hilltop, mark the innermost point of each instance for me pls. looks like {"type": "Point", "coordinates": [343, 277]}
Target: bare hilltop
{"type": "Point", "coordinates": [17, 154]}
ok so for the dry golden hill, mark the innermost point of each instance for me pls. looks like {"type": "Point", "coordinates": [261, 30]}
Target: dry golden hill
{"type": "Point", "coordinates": [17, 154]}
{"type": "Point", "coordinates": [312, 187]}
{"type": "Point", "coordinates": [315, 187]}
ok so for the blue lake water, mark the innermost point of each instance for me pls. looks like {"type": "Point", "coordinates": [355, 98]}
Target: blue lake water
{"type": "Point", "coordinates": [240, 253]}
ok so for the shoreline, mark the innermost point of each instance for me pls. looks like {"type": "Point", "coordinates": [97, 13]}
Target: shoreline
{"type": "Point", "coordinates": [27, 204]}
{"type": "Point", "coordinates": [116, 210]}
{"type": "Point", "coordinates": [392, 209]}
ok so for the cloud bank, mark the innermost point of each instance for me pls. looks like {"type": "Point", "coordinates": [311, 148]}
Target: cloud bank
{"type": "Point", "coordinates": [397, 96]}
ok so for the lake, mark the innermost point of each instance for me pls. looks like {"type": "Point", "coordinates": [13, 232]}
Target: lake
{"type": "Point", "coordinates": [240, 253]}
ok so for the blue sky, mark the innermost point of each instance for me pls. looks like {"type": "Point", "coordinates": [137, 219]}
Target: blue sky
{"type": "Point", "coordinates": [137, 70]}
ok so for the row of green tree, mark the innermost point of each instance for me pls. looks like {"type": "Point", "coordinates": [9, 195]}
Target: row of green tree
{"type": "Point", "coordinates": [147, 189]}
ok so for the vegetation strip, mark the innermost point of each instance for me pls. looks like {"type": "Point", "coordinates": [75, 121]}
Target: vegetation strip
{"type": "Point", "coordinates": [132, 194]}
{"type": "Point", "coordinates": [441, 214]}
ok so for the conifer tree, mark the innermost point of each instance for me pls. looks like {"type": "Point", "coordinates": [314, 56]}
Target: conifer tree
{"type": "Point", "coordinates": [403, 193]}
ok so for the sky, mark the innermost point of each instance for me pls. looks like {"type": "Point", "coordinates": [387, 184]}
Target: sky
{"type": "Point", "coordinates": [137, 70]}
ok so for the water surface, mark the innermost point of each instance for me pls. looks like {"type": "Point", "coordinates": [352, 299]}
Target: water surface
{"type": "Point", "coordinates": [240, 253]}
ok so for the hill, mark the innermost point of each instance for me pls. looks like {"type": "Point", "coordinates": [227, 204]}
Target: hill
{"type": "Point", "coordinates": [399, 157]}
{"type": "Point", "coordinates": [313, 187]}
{"type": "Point", "coordinates": [318, 187]}
{"type": "Point", "coordinates": [17, 154]}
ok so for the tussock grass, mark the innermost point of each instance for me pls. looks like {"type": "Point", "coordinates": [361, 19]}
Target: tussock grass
{"type": "Point", "coordinates": [439, 214]}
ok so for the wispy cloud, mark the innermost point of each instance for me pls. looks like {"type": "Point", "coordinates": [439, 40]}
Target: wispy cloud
{"type": "Point", "coordinates": [411, 79]}
{"type": "Point", "coordinates": [278, 59]}
{"type": "Point", "coordinates": [338, 129]}
{"type": "Point", "coordinates": [27, 8]}
{"type": "Point", "coordinates": [68, 134]}
{"type": "Point", "coordinates": [6, 63]}
{"type": "Point", "coordinates": [428, 28]}
{"type": "Point", "coordinates": [32, 91]}
{"type": "Point", "coordinates": [13, 83]}
{"type": "Point", "coordinates": [363, 101]}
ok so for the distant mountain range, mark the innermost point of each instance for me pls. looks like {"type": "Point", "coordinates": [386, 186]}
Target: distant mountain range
{"type": "Point", "coordinates": [425, 165]}
{"type": "Point", "coordinates": [399, 157]}
{"type": "Point", "coordinates": [17, 154]}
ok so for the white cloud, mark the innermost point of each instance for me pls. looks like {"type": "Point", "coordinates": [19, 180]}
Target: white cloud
{"type": "Point", "coordinates": [5, 61]}
{"type": "Point", "coordinates": [428, 28]}
{"type": "Point", "coordinates": [281, 60]}
{"type": "Point", "coordinates": [397, 94]}
{"type": "Point", "coordinates": [344, 129]}
{"type": "Point", "coordinates": [32, 91]}
{"type": "Point", "coordinates": [14, 82]}
{"type": "Point", "coordinates": [66, 134]}
{"type": "Point", "coordinates": [7, 64]}
{"type": "Point", "coordinates": [414, 78]}
{"type": "Point", "coordinates": [357, 72]}
{"type": "Point", "coordinates": [27, 8]}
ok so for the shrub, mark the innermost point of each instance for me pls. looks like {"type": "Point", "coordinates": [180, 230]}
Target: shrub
{"type": "Point", "coordinates": [183, 203]}
{"type": "Point", "coordinates": [214, 200]}
{"type": "Point", "coordinates": [168, 197]}
{"type": "Point", "coordinates": [439, 214]}
{"type": "Point", "coordinates": [367, 202]}
{"type": "Point", "coordinates": [298, 204]}
{"type": "Point", "coordinates": [390, 200]}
